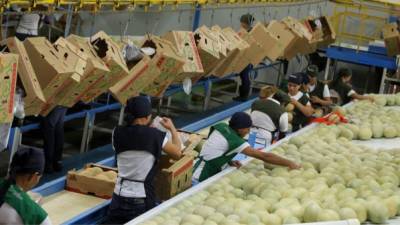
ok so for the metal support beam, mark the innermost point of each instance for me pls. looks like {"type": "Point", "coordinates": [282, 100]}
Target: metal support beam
{"type": "Point", "coordinates": [68, 21]}
{"type": "Point", "coordinates": [327, 68]}
{"type": "Point", "coordinates": [207, 93]}
{"type": "Point", "coordinates": [383, 81]}
{"type": "Point", "coordinates": [196, 18]}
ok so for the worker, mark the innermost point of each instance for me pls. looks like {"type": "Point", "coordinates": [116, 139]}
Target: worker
{"type": "Point", "coordinates": [225, 142]}
{"type": "Point", "coordinates": [341, 85]}
{"type": "Point", "coordinates": [302, 107]}
{"type": "Point", "coordinates": [268, 116]}
{"type": "Point", "coordinates": [246, 23]}
{"type": "Point", "coordinates": [318, 91]}
{"type": "Point", "coordinates": [16, 207]}
{"type": "Point", "coordinates": [138, 149]}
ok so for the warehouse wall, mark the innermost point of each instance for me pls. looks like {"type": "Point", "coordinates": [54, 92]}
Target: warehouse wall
{"type": "Point", "coordinates": [160, 22]}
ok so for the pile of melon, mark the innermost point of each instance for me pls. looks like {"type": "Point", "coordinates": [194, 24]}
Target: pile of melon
{"type": "Point", "coordinates": [371, 120]}
{"type": "Point", "coordinates": [339, 180]}
{"type": "Point", "coordinates": [98, 173]}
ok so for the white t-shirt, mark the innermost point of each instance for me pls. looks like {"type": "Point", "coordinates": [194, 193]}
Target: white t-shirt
{"type": "Point", "coordinates": [134, 165]}
{"type": "Point", "coordinates": [326, 93]}
{"type": "Point", "coordinates": [298, 96]}
{"type": "Point", "coordinates": [29, 24]}
{"type": "Point", "coordinates": [215, 146]}
{"type": "Point", "coordinates": [263, 121]}
{"type": "Point", "coordinates": [8, 215]}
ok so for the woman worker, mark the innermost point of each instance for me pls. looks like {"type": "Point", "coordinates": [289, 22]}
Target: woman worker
{"type": "Point", "coordinates": [343, 88]}
{"type": "Point", "coordinates": [318, 91]}
{"type": "Point", "coordinates": [225, 142]}
{"type": "Point", "coordinates": [302, 107]}
{"type": "Point", "coordinates": [138, 148]}
{"type": "Point", "coordinates": [268, 116]}
{"type": "Point", "coordinates": [16, 207]}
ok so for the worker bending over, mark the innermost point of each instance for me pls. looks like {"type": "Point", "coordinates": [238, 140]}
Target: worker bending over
{"type": "Point", "coordinates": [16, 207]}
{"type": "Point", "coordinates": [225, 142]}
{"type": "Point", "coordinates": [302, 107]}
{"type": "Point", "coordinates": [138, 148]}
{"type": "Point", "coordinates": [268, 116]}
{"type": "Point", "coordinates": [341, 85]}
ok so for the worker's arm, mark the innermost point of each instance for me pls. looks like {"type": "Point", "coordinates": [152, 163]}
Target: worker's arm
{"type": "Point", "coordinates": [307, 109]}
{"type": "Point", "coordinates": [356, 96]}
{"type": "Point", "coordinates": [325, 101]}
{"type": "Point", "coordinates": [270, 158]}
{"type": "Point", "coordinates": [173, 147]}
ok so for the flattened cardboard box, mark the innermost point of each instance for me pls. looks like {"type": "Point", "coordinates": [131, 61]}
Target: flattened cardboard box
{"type": "Point", "coordinates": [50, 67]}
{"type": "Point", "coordinates": [271, 45]}
{"type": "Point", "coordinates": [255, 53]}
{"type": "Point", "coordinates": [224, 66]}
{"type": "Point", "coordinates": [110, 53]}
{"type": "Point", "coordinates": [167, 60]}
{"type": "Point", "coordinates": [242, 60]}
{"type": "Point", "coordinates": [186, 46]}
{"type": "Point", "coordinates": [140, 76]}
{"type": "Point", "coordinates": [96, 71]}
{"type": "Point", "coordinates": [391, 36]}
{"type": "Point", "coordinates": [286, 38]}
{"type": "Point", "coordinates": [34, 94]}
{"type": "Point", "coordinates": [90, 185]}
{"type": "Point", "coordinates": [208, 47]}
{"type": "Point", "coordinates": [174, 176]}
{"type": "Point", "coordinates": [8, 81]}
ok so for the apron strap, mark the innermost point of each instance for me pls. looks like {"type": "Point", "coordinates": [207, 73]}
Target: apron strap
{"type": "Point", "coordinates": [3, 191]}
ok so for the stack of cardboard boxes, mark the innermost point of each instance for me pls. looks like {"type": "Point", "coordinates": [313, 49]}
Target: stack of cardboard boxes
{"type": "Point", "coordinates": [80, 69]}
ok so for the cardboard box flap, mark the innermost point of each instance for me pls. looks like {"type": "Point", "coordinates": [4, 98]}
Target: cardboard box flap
{"type": "Point", "coordinates": [390, 30]}
{"type": "Point", "coordinates": [162, 46]}
{"type": "Point", "coordinates": [235, 38]}
{"type": "Point", "coordinates": [8, 80]}
{"type": "Point", "coordinates": [26, 72]}
{"type": "Point", "coordinates": [269, 42]}
{"type": "Point", "coordinates": [327, 28]}
{"type": "Point", "coordinates": [298, 28]}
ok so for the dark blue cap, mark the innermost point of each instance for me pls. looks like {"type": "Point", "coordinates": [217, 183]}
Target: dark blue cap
{"type": "Point", "coordinates": [139, 106]}
{"type": "Point", "coordinates": [240, 120]}
{"type": "Point", "coordinates": [27, 160]}
{"type": "Point", "coordinates": [296, 78]}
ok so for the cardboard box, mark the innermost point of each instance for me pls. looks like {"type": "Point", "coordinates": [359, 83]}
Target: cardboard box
{"type": "Point", "coordinates": [270, 44]}
{"type": "Point", "coordinates": [111, 54]}
{"type": "Point", "coordinates": [287, 39]}
{"type": "Point", "coordinates": [243, 59]}
{"type": "Point", "coordinates": [174, 176]}
{"type": "Point", "coordinates": [34, 95]}
{"type": "Point", "coordinates": [329, 34]}
{"type": "Point", "coordinates": [96, 71]}
{"type": "Point", "coordinates": [314, 26]}
{"type": "Point", "coordinates": [169, 62]}
{"type": "Point", "coordinates": [304, 41]}
{"type": "Point", "coordinates": [225, 66]}
{"type": "Point", "coordinates": [49, 65]}
{"type": "Point", "coordinates": [186, 46]}
{"type": "Point", "coordinates": [8, 81]}
{"type": "Point", "coordinates": [77, 61]}
{"type": "Point", "coordinates": [208, 47]}
{"type": "Point", "coordinates": [140, 76]}
{"type": "Point", "coordinates": [391, 36]}
{"type": "Point", "coordinates": [83, 184]}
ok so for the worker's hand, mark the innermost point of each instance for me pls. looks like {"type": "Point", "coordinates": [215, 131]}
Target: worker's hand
{"type": "Point", "coordinates": [167, 123]}
{"type": "Point", "coordinates": [235, 163]}
{"type": "Point", "coordinates": [294, 166]}
{"type": "Point", "coordinates": [294, 102]}
{"type": "Point", "coordinates": [315, 99]}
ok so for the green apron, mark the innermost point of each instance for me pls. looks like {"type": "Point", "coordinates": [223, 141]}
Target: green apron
{"type": "Point", "coordinates": [214, 166]}
{"type": "Point", "coordinates": [29, 211]}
